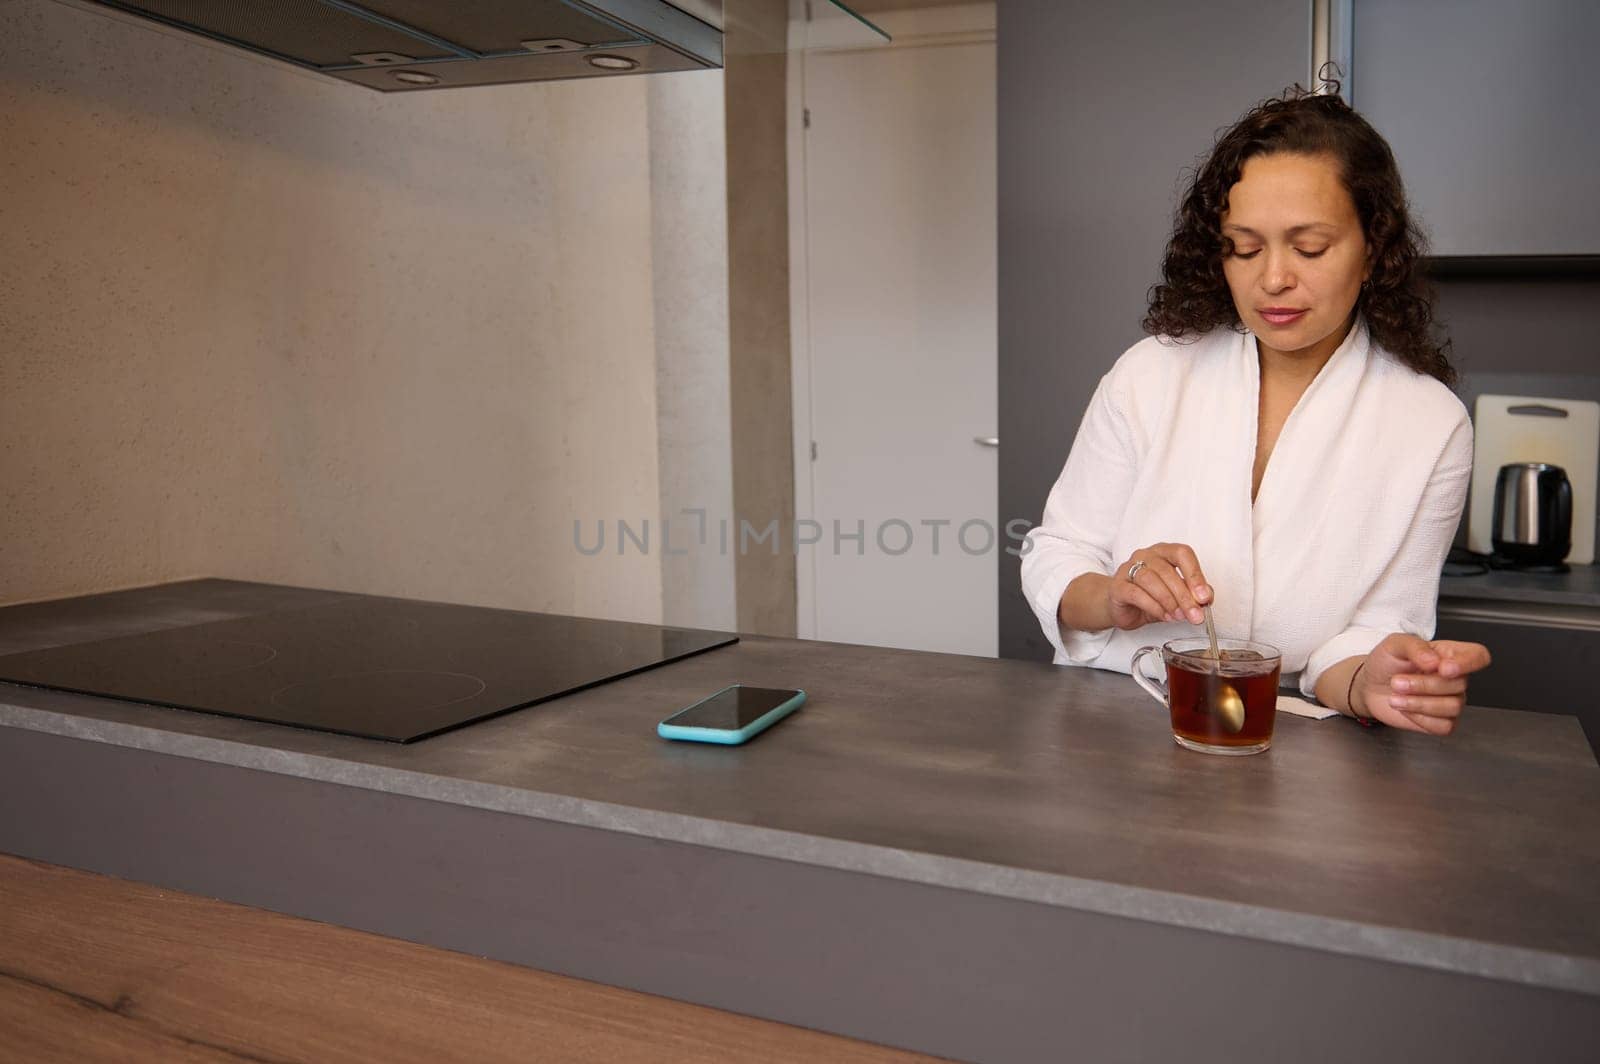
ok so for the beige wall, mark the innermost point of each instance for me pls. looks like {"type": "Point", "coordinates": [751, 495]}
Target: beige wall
{"type": "Point", "coordinates": [260, 325]}
{"type": "Point", "coordinates": [758, 319]}
{"type": "Point", "coordinates": [689, 190]}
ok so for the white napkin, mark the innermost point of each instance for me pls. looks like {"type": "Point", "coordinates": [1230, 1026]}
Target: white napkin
{"type": "Point", "coordinates": [1301, 708]}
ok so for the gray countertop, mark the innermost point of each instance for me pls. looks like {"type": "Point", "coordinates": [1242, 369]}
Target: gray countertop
{"type": "Point", "coordinates": [1478, 854]}
{"type": "Point", "coordinates": [1578, 587]}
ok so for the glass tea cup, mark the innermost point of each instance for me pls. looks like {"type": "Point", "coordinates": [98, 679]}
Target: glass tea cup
{"type": "Point", "coordinates": [1222, 706]}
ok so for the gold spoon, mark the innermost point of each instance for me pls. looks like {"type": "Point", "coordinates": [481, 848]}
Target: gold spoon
{"type": "Point", "coordinates": [1226, 701]}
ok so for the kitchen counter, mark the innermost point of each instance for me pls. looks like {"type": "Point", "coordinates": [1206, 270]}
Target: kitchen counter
{"type": "Point", "coordinates": [1578, 587]}
{"type": "Point", "coordinates": [963, 856]}
{"type": "Point", "coordinates": [1542, 630]}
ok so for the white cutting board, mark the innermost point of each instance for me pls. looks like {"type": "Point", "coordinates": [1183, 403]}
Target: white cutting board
{"type": "Point", "coordinates": [1502, 436]}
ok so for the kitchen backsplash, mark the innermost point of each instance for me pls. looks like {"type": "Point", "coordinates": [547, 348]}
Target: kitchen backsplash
{"type": "Point", "coordinates": [1522, 336]}
{"type": "Point", "coordinates": [1539, 385]}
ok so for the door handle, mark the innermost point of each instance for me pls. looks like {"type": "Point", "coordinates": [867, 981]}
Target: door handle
{"type": "Point", "coordinates": [986, 441]}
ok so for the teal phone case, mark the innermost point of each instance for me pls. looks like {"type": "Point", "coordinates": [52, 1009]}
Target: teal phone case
{"type": "Point", "coordinates": [723, 735]}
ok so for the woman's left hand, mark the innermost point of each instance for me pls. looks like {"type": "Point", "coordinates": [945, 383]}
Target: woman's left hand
{"type": "Point", "coordinates": [1408, 682]}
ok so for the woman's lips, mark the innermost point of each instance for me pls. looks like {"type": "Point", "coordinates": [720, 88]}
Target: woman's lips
{"type": "Point", "coordinates": [1282, 315]}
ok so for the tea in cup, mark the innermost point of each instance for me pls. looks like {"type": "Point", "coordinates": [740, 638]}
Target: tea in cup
{"type": "Point", "coordinates": [1219, 705]}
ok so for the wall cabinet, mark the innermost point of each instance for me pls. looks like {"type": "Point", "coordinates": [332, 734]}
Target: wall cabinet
{"type": "Point", "coordinates": [1490, 108]}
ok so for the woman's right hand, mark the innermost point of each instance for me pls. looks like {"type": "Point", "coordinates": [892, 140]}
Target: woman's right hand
{"type": "Point", "coordinates": [1168, 586]}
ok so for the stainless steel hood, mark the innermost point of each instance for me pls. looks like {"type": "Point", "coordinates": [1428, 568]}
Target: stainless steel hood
{"type": "Point", "coordinates": [412, 45]}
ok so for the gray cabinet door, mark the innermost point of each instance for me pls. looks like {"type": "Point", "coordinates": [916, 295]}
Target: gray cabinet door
{"type": "Point", "coordinates": [1101, 109]}
{"type": "Point", "coordinates": [1546, 670]}
{"type": "Point", "coordinates": [1491, 109]}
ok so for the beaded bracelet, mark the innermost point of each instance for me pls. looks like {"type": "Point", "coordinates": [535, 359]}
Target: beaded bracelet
{"type": "Point", "coordinates": [1349, 700]}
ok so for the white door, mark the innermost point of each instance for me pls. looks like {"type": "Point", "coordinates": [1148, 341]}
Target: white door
{"type": "Point", "coordinates": [899, 348]}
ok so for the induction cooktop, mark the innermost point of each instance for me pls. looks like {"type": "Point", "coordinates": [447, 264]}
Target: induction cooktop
{"type": "Point", "coordinates": [379, 668]}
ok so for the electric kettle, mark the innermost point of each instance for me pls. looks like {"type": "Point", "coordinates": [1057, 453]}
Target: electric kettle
{"type": "Point", "coordinates": [1532, 514]}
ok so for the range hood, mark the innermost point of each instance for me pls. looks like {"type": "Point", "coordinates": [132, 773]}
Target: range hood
{"type": "Point", "coordinates": [411, 45]}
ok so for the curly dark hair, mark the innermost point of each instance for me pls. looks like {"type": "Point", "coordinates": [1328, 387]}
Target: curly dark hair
{"type": "Point", "coordinates": [1397, 301]}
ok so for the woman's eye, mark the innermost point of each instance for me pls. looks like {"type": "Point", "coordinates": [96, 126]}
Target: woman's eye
{"type": "Point", "coordinates": [1311, 254]}
{"type": "Point", "coordinates": [1246, 254]}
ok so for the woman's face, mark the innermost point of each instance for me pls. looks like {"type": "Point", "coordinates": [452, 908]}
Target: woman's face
{"type": "Point", "coordinates": [1299, 255]}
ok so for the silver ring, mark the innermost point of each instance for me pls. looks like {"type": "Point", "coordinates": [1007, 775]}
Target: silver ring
{"type": "Point", "coordinates": [1134, 569]}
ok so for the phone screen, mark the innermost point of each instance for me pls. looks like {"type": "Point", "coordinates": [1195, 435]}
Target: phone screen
{"type": "Point", "coordinates": [732, 709]}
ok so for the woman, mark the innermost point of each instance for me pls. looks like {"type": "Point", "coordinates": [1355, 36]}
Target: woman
{"type": "Point", "coordinates": [1285, 445]}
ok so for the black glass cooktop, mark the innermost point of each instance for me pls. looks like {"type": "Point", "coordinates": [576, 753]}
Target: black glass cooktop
{"type": "Point", "coordinates": [379, 668]}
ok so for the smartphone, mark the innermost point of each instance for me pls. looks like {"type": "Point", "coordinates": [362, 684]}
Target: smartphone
{"type": "Point", "coordinates": [732, 716]}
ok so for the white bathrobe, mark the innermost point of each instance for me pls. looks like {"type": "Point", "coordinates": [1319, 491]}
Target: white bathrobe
{"type": "Point", "coordinates": [1345, 540]}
